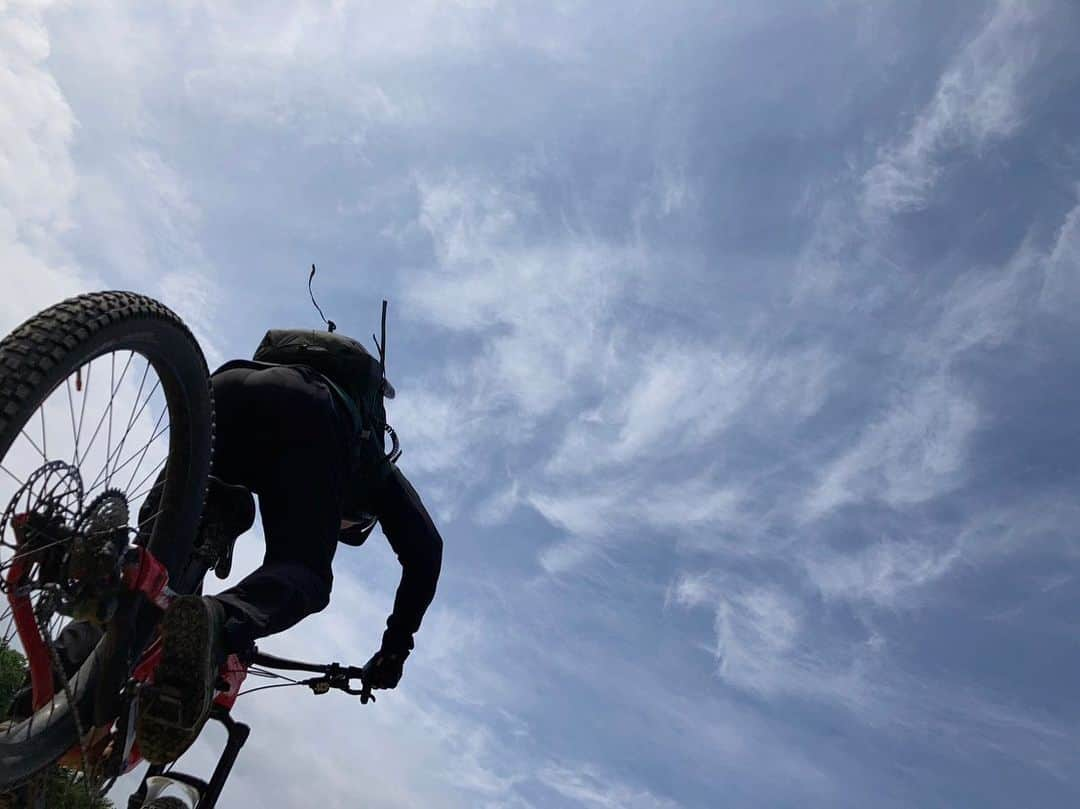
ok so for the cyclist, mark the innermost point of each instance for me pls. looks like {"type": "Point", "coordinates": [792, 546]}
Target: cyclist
{"type": "Point", "coordinates": [290, 434]}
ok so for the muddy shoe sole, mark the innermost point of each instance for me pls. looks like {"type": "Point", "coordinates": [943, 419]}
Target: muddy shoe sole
{"type": "Point", "coordinates": [176, 706]}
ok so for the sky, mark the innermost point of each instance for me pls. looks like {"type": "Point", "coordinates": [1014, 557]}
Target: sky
{"type": "Point", "coordinates": [735, 354]}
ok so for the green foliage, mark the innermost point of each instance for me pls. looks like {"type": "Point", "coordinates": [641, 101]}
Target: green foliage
{"type": "Point", "coordinates": [57, 789]}
{"type": "Point", "coordinates": [12, 674]}
{"type": "Point", "coordinates": [60, 790]}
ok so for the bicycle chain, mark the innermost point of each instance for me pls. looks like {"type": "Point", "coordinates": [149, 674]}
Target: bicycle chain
{"type": "Point", "coordinates": [8, 796]}
{"type": "Point", "coordinates": [73, 708]}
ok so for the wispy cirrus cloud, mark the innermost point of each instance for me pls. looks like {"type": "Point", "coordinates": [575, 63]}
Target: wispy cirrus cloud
{"type": "Point", "coordinates": [979, 99]}
{"type": "Point", "coordinates": [586, 787]}
{"type": "Point", "coordinates": [550, 305]}
{"type": "Point", "coordinates": [742, 406]}
{"type": "Point", "coordinates": [915, 452]}
{"type": "Point", "coordinates": [1061, 287]}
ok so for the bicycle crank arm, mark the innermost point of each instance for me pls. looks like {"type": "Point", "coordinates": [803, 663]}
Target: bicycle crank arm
{"type": "Point", "coordinates": [143, 573]}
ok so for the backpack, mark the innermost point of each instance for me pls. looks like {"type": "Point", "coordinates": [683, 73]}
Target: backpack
{"type": "Point", "coordinates": [359, 382]}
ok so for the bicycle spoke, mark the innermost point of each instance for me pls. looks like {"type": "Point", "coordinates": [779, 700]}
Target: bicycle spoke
{"type": "Point", "coordinates": [137, 414]}
{"type": "Point", "coordinates": [140, 491]}
{"type": "Point", "coordinates": [134, 415]}
{"type": "Point", "coordinates": [9, 632]}
{"type": "Point", "coordinates": [158, 432]}
{"type": "Point", "coordinates": [38, 549]}
{"type": "Point", "coordinates": [112, 395]}
{"type": "Point", "coordinates": [82, 410]}
{"type": "Point", "coordinates": [151, 518]}
{"type": "Point", "coordinates": [105, 470]}
{"type": "Point", "coordinates": [74, 431]}
{"type": "Point", "coordinates": [108, 440]}
{"type": "Point", "coordinates": [12, 475]}
{"type": "Point", "coordinates": [142, 457]}
{"type": "Point", "coordinates": [44, 440]}
{"type": "Point", "coordinates": [33, 443]}
{"type": "Point", "coordinates": [140, 453]}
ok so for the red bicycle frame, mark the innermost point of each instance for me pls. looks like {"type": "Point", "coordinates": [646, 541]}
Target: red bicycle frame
{"type": "Point", "coordinates": [22, 611]}
{"type": "Point", "coordinates": [141, 573]}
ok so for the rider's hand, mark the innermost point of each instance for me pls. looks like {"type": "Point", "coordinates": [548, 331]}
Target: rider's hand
{"type": "Point", "coordinates": [384, 669]}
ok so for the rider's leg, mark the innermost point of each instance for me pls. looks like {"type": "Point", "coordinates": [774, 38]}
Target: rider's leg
{"type": "Point", "coordinates": [280, 435]}
{"type": "Point", "coordinates": [299, 469]}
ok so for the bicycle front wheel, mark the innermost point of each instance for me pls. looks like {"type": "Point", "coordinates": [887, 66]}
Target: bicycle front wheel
{"type": "Point", "coordinates": [103, 398]}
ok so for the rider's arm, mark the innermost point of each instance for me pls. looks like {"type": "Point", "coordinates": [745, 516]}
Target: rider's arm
{"type": "Point", "coordinates": [414, 538]}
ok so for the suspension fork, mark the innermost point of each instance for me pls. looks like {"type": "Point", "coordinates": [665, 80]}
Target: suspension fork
{"type": "Point", "coordinates": [208, 791]}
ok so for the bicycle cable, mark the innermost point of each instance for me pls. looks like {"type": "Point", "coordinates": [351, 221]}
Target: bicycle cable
{"type": "Point", "coordinates": [258, 671]}
{"type": "Point", "coordinates": [267, 687]}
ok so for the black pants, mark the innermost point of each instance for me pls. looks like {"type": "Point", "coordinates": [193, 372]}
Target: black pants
{"type": "Point", "coordinates": [280, 434]}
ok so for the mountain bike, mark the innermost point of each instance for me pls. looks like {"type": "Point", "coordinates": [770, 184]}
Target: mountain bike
{"type": "Point", "coordinates": [106, 440]}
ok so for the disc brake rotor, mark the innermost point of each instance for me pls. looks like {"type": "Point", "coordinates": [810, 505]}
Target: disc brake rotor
{"type": "Point", "coordinates": [41, 516]}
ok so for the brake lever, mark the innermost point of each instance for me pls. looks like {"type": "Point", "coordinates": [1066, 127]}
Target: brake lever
{"type": "Point", "coordinates": [339, 678]}
{"type": "Point", "coordinates": [364, 692]}
{"type": "Point", "coordinates": [318, 685]}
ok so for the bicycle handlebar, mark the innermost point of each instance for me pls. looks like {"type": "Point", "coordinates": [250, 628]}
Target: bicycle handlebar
{"type": "Point", "coordinates": [333, 675]}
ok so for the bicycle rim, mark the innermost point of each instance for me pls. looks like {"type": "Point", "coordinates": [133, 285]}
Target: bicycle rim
{"type": "Point", "coordinates": [108, 397]}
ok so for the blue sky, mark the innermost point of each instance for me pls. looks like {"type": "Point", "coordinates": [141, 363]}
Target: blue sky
{"type": "Point", "coordinates": [735, 349]}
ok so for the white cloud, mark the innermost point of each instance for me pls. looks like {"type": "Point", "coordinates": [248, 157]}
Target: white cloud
{"type": "Point", "coordinates": [137, 213]}
{"type": "Point", "coordinates": [684, 395]}
{"type": "Point", "coordinates": [693, 502]}
{"type": "Point", "coordinates": [1061, 291]}
{"type": "Point", "coordinates": [610, 429]}
{"type": "Point", "coordinates": [584, 515]}
{"type": "Point", "coordinates": [601, 484]}
{"type": "Point", "coordinates": [544, 310]}
{"type": "Point", "coordinates": [250, 91]}
{"type": "Point", "coordinates": [699, 512]}
{"type": "Point", "coordinates": [981, 310]}
{"type": "Point", "coordinates": [915, 451]}
{"type": "Point", "coordinates": [768, 642]}
{"type": "Point", "coordinates": [681, 396]}
{"type": "Point", "coordinates": [197, 299]}
{"type": "Point", "coordinates": [435, 435]}
{"type": "Point", "coordinates": [589, 788]}
{"type": "Point", "coordinates": [882, 574]}
{"type": "Point", "coordinates": [979, 99]}
{"type": "Point", "coordinates": [38, 177]}
{"type": "Point", "coordinates": [757, 634]}
{"type": "Point", "coordinates": [500, 506]}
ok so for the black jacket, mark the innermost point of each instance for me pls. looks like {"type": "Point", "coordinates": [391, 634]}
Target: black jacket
{"type": "Point", "coordinates": [416, 541]}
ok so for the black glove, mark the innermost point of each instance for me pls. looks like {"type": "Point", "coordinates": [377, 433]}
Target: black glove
{"type": "Point", "coordinates": [384, 669]}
